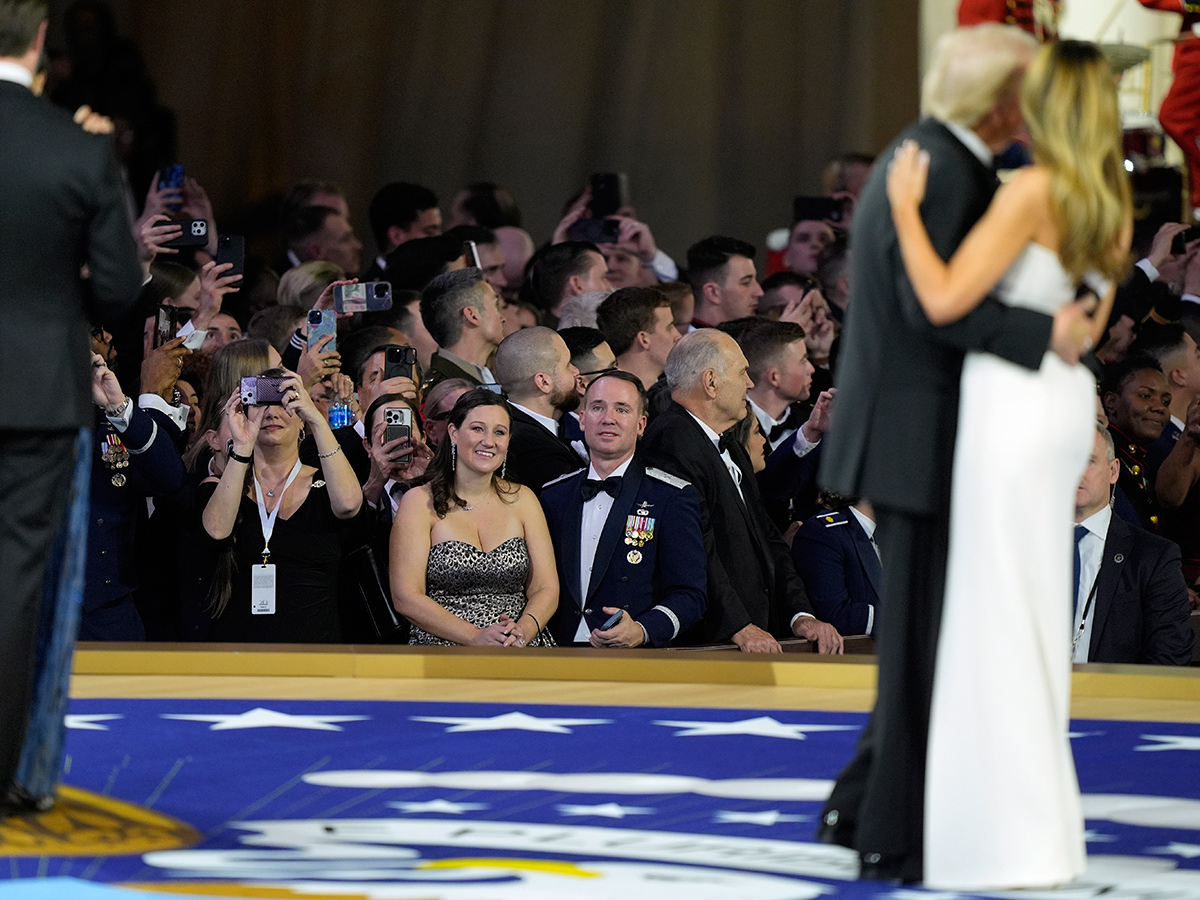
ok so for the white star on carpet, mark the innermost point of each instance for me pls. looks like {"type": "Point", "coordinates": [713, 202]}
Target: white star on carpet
{"type": "Point", "coordinates": [1097, 837]}
{"type": "Point", "coordinates": [513, 721]}
{"type": "Point", "coordinates": [766, 817]}
{"type": "Point", "coordinates": [910, 894]}
{"type": "Point", "coordinates": [89, 722]}
{"type": "Point", "coordinates": [1170, 742]}
{"type": "Point", "coordinates": [1078, 734]}
{"type": "Point", "coordinates": [606, 810]}
{"type": "Point", "coordinates": [448, 807]}
{"type": "Point", "coordinates": [1188, 851]}
{"type": "Point", "coordinates": [763, 726]}
{"type": "Point", "coordinates": [265, 718]}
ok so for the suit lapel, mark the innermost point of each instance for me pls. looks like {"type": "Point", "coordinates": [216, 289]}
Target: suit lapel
{"type": "Point", "coordinates": [614, 526]}
{"type": "Point", "coordinates": [572, 523]}
{"type": "Point", "coordinates": [866, 554]}
{"type": "Point", "coordinates": [1116, 547]}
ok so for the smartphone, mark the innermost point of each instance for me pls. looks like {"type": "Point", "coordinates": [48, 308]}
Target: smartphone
{"type": "Point", "coordinates": [166, 324]}
{"type": "Point", "coordinates": [367, 296]}
{"type": "Point", "coordinates": [613, 620]}
{"type": "Point", "coordinates": [1180, 241]}
{"type": "Point", "coordinates": [171, 177]}
{"type": "Point", "coordinates": [322, 322]}
{"type": "Point", "coordinates": [231, 248]}
{"type": "Point", "coordinates": [610, 192]}
{"type": "Point", "coordinates": [397, 423]}
{"type": "Point", "coordinates": [596, 231]}
{"type": "Point", "coordinates": [471, 254]}
{"type": "Point", "coordinates": [195, 234]}
{"type": "Point", "coordinates": [822, 209]}
{"type": "Point", "coordinates": [261, 390]}
{"type": "Point", "coordinates": [400, 362]}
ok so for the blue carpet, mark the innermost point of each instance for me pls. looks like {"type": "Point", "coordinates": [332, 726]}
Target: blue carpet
{"type": "Point", "coordinates": [400, 800]}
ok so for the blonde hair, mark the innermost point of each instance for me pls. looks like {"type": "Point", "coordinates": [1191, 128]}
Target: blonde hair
{"type": "Point", "coordinates": [972, 70]}
{"type": "Point", "coordinates": [1069, 100]}
{"type": "Point", "coordinates": [302, 285]}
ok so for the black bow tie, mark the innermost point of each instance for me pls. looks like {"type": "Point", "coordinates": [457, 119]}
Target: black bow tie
{"type": "Point", "coordinates": [726, 441]}
{"type": "Point", "coordinates": [590, 487]}
{"type": "Point", "coordinates": [791, 422]}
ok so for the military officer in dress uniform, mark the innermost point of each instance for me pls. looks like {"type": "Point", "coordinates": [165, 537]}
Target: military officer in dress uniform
{"type": "Point", "coordinates": [627, 538]}
{"type": "Point", "coordinates": [134, 458]}
{"type": "Point", "coordinates": [1137, 400]}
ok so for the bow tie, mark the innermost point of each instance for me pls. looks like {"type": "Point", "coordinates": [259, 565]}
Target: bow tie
{"type": "Point", "coordinates": [791, 422]}
{"type": "Point", "coordinates": [726, 442]}
{"type": "Point", "coordinates": [590, 487]}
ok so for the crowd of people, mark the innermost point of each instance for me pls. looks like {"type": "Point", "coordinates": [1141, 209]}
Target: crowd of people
{"type": "Point", "coordinates": [729, 397]}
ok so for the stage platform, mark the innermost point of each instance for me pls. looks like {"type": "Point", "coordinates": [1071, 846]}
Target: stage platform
{"type": "Point", "coordinates": [370, 772]}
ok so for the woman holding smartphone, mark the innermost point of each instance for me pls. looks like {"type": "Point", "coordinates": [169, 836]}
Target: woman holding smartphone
{"type": "Point", "coordinates": [277, 524]}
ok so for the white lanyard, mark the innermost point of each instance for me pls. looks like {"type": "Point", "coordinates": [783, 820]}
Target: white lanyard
{"type": "Point", "coordinates": [268, 519]}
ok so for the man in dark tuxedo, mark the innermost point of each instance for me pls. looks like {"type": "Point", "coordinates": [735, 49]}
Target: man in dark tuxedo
{"type": "Point", "coordinates": [1131, 602]}
{"type": "Point", "coordinates": [838, 560]}
{"type": "Point", "coordinates": [892, 434]}
{"type": "Point", "coordinates": [61, 207]}
{"type": "Point", "coordinates": [534, 366]}
{"type": "Point", "coordinates": [462, 314]}
{"type": "Point", "coordinates": [754, 593]}
{"type": "Point", "coordinates": [626, 537]}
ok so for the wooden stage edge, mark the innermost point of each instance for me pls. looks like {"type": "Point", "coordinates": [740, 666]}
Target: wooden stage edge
{"type": "Point", "coordinates": [583, 676]}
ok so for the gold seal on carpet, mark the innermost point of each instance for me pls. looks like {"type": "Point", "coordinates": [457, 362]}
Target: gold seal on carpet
{"type": "Point", "coordinates": [86, 824]}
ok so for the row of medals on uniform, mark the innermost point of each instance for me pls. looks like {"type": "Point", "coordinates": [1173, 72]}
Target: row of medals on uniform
{"type": "Point", "coordinates": [638, 530]}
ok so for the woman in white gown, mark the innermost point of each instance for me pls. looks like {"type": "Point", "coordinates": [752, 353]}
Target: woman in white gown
{"type": "Point", "coordinates": [1002, 803]}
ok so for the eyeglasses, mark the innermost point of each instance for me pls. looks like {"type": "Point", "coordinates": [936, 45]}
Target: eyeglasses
{"type": "Point", "coordinates": [611, 368]}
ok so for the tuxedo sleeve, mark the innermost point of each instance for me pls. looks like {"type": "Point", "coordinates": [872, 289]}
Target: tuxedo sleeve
{"type": "Point", "coordinates": [112, 260]}
{"type": "Point", "coordinates": [1167, 636]}
{"type": "Point", "coordinates": [153, 455]}
{"type": "Point", "coordinates": [681, 571]}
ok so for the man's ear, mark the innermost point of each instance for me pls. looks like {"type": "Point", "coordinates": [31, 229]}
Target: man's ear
{"type": "Point", "coordinates": [709, 381]}
{"type": "Point", "coordinates": [543, 383]}
{"type": "Point", "coordinates": [395, 236]}
{"type": "Point", "coordinates": [771, 376]}
{"type": "Point", "coordinates": [643, 340]}
{"type": "Point", "coordinates": [1108, 401]}
{"type": "Point", "coordinates": [711, 292]}
{"type": "Point", "coordinates": [470, 316]}
{"type": "Point", "coordinates": [1175, 378]}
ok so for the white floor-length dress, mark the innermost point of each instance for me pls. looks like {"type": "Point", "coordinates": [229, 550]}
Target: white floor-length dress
{"type": "Point", "coordinates": [1002, 798]}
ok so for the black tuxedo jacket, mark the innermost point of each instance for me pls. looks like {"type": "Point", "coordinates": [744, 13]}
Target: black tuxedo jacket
{"type": "Point", "coordinates": [62, 206]}
{"type": "Point", "coordinates": [893, 426]}
{"type": "Point", "coordinates": [751, 579]}
{"type": "Point", "coordinates": [840, 569]}
{"type": "Point", "coordinates": [1142, 613]}
{"type": "Point", "coordinates": [660, 583]}
{"type": "Point", "coordinates": [535, 456]}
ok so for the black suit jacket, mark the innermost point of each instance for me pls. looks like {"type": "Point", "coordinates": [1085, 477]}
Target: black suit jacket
{"type": "Point", "coordinates": [63, 206]}
{"type": "Point", "coordinates": [1142, 613]}
{"type": "Point", "coordinates": [751, 579]}
{"type": "Point", "coordinates": [841, 570]}
{"type": "Point", "coordinates": [662, 586]}
{"type": "Point", "coordinates": [893, 426]}
{"type": "Point", "coordinates": [535, 456]}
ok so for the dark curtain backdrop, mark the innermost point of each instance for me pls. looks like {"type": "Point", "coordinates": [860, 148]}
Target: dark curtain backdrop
{"type": "Point", "coordinates": [719, 110]}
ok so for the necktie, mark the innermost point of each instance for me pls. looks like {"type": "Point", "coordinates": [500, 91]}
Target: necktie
{"type": "Point", "coordinates": [590, 487]}
{"type": "Point", "coordinates": [1080, 531]}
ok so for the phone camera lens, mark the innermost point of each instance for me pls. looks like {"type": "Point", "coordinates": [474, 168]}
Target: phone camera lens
{"type": "Point", "coordinates": [380, 290]}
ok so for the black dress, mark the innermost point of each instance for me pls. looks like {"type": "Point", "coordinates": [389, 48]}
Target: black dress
{"type": "Point", "coordinates": [306, 550]}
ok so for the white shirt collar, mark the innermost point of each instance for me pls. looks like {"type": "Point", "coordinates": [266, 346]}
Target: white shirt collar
{"type": "Point", "coordinates": [1178, 423]}
{"type": "Point", "coordinates": [712, 435]}
{"type": "Point", "coordinates": [1097, 523]}
{"type": "Point", "coordinates": [618, 472]}
{"type": "Point", "coordinates": [547, 422]}
{"type": "Point", "coordinates": [764, 417]}
{"type": "Point", "coordinates": [972, 142]}
{"type": "Point", "coordinates": [867, 525]}
{"type": "Point", "coordinates": [16, 73]}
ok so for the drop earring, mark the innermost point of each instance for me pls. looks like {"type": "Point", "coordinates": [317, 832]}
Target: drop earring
{"type": "Point", "coordinates": [504, 467]}
{"type": "Point", "coordinates": [453, 456]}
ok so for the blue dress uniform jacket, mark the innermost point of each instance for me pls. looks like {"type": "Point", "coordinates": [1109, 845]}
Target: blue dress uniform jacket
{"type": "Point", "coordinates": [154, 469]}
{"type": "Point", "coordinates": [840, 568]}
{"type": "Point", "coordinates": [659, 580]}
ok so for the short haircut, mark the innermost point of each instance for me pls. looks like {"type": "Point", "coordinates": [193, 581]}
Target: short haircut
{"type": "Point", "coordinates": [304, 223]}
{"type": "Point", "coordinates": [764, 344]}
{"type": "Point", "coordinates": [580, 310]}
{"type": "Point", "coordinates": [491, 205]}
{"type": "Point", "coordinates": [679, 293]}
{"type": "Point", "coordinates": [629, 377]}
{"type": "Point", "coordinates": [552, 267]}
{"type": "Point", "coordinates": [1162, 341]}
{"type": "Point", "coordinates": [399, 204]}
{"type": "Point", "coordinates": [972, 69]}
{"type": "Point", "coordinates": [443, 302]}
{"type": "Point", "coordinates": [480, 234]}
{"type": "Point", "coordinates": [275, 324]}
{"type": "Point", "coordinates": [697, 352]}
{"type": "Point", "coordinates": [356, 348]}
{"type": "Point", "coordinates": [365, 360]}
{"type": "Point", "coordinates": [301, 194]}
{"type": "Point", "coordinates": [581, 343]}
{"type": "Point", "coordinates": [401, 314]}
{"type": "Point", "coordinates": [1118, 373]}
{"type": "Point", "coordinates": [707, 259]}
{"type": "Point", "coordinates": [436, 394]}
{"type": "Point", "coordinates": [377, 404]}
{"type": "Point", "coordinates": [169, 279]}
{"type": "Point", "coordinates": [1110, 447]}
{"type": "Point", "coordinates": [627, 312]}
{"type": "Point", "coordinates": [523, 355]}
{"type": "Point", "coordinates": [735, 328]}
{"type": "Point", "coordinates": [19, 23]}
{"type": "Point", "coordinates": [415, 263]}
{"type": "Point", "coordinates": [772, 283]}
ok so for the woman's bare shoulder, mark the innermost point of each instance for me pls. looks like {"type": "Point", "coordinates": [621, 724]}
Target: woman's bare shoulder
{"type": "Point", "coordinates": [417, 501]}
